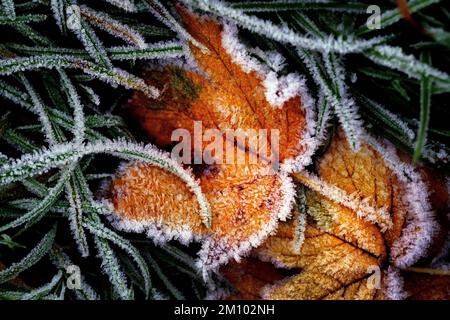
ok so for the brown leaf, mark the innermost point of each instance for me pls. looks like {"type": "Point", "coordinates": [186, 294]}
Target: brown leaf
{"type": "Point", "coordinates": [249, 277]}
{"type": "Point", "coordinates": [426, 286]}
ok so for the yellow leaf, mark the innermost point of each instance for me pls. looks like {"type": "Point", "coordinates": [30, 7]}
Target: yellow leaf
{"type": "Point", "coordinates": [346, 256]}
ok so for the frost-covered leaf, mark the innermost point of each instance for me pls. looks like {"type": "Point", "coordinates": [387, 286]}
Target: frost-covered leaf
{"type": "Point", "coordinates": [75, 103]}
{"type": "Point", "coordinates": [111, 76]}
{"type": "Point", "coordinates": [395, 58]}
{"type": "Point", "coordinates": [345, 243]}
{"type": "Point", "coordinates": [88, 37]}
{"type": "Point", "coordinates": [76, 215]}
{"type": "Point", "coordinates": [101, 231]}
{"type": "Point", "coordinates": [425, 104]}
{"type": "Point", "coordinates": [113, 27]}
{"type": "Point", "coordinates": [41, 111]}
{"type": "Point", "coordinates": [62, 261]}
{"type": "Point", "coordinates": [37, 212]}
{"type": "Point", "coordinates": [238, 93]}
{"type": "Point", "coordinates": [287, 5]}
{"type": "Point", "coordinates": [112, 269]}
{"type": "Point", "coordinates": [158, 50]}
{"type": "Point", "coordinates": [58, 11]}
{"type": "Point", "coordinates": [32, 258]}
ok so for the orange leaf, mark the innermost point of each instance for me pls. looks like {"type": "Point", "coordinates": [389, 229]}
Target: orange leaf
{"type": "Point", "coordinates": [246, 199]}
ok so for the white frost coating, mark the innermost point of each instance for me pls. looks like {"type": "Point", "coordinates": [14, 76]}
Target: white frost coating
{"type": "Point", "coordinates": [75, 220]}
{"type": "Point", "coordinates": [113, 27]}
{"type": "Point", "coordinates": [309, 141]}
{"type": "Point", "coordinates": [155, 229]}
{"type": "Point", "coordinates": [343, 104]}
{"type": "Point", "coordinates": [238, 51]}
{"type": "Point", "coordinates": [159, 50]}
{"type": "Point", "coordinates": [283, 34]}
{"type": "Point", "coordinates": [435, 152]}
{"type": "Point", "coordinates": [393, 284]}
{"type": "Point", "coordinates": [363, 209]}
{"type": "Point", "coordinates": [74, 100]}
{"type": "Point", "coordinates": [216, 252]}
{"type": "Point", "coordinates": [271, 259]}
{"type": "Point", "coordinates": [395, 58]}
{"type": "Point", "coordinates": [111, 76]}
{"type": "Point", "coordinates": [421, 225]}
{"type": "Point", "coordinates": [274, 60]}
{"type": "Point", "coordinates": [57, 7]}
{"type": "Point", "coordinates": [111, 267]}
{"type": "Point", "coordinates": [37, 163]}
{"type": "Point", "coordinates": [41, 111]}
{"type": "Point", "coordinates": [281, 89]}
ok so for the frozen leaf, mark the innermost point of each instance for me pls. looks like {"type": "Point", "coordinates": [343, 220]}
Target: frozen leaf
{"type": "Point", "coordinates": [105, 22]}
{"type": "Point", "coordinates": [346, 255]}
{"type": "Point", "coordinates": [112, 76]}
{"type": "Point", "coordinates": [57, 7]}
{"type": "Point", "coordinates": [232, 91]}
{"type": "Point", "coordinates": [31, 258]}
